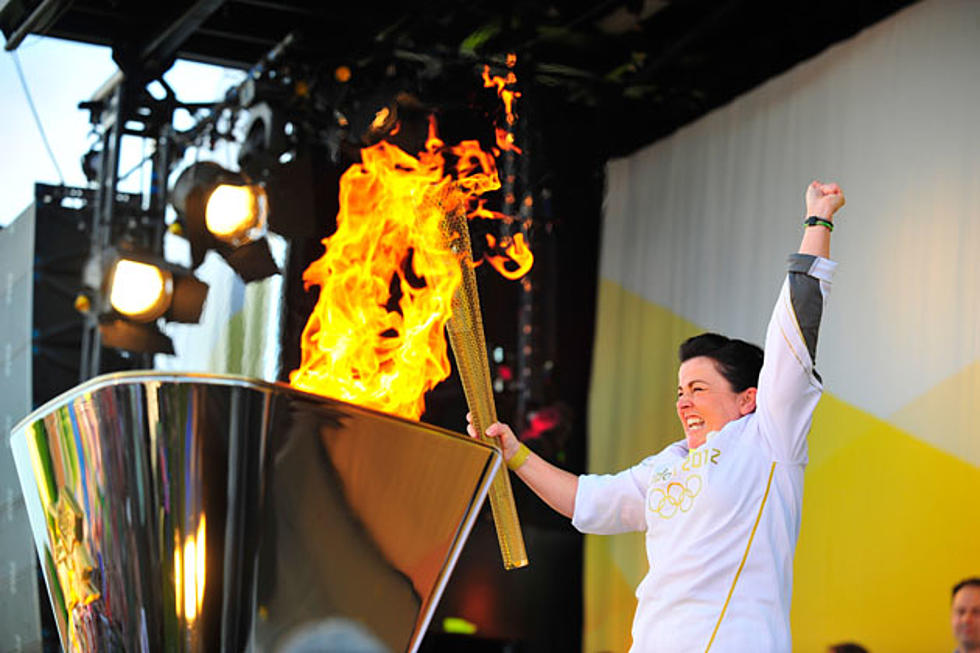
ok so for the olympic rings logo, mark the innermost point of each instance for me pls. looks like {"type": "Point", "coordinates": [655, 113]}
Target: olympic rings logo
{"type": "Point", "coordinates": [676, 497]}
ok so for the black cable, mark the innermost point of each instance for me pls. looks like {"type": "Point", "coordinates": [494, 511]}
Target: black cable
{"type": "Point", "coordinates": [37, 118]}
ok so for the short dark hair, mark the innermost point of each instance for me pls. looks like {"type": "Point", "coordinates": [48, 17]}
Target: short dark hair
{"type": "Point", "coordinates": [966, 582]}
{"type": "Point", "coordinates": [738, 361]}
{"type": "Point", "coordinates": [848, 647]}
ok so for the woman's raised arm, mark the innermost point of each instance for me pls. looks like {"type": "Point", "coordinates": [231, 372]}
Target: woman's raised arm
{"type": "Point", "coordinates": [822, 202]}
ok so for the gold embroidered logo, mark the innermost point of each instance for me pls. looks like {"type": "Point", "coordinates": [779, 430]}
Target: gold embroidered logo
{"type": "Point", "coordinates": [675, 497]}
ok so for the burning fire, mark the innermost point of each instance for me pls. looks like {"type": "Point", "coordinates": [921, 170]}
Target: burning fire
{"type": "Point", "coordinates": [377, 334]}
{"type": "Point", "coordinates": [504, 86]}
{"type": "Point", "coordinates": [517, 252]}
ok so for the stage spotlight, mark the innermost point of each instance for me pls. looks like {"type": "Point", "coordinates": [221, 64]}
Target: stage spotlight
{"type": "Point", "coordinates": [236, 214]}
{"type": "Point", "coordinates": [129, 336]}
{"type": "Point", "coordinates": [226, 212]}
{"type": "Point", "coordinates": [140, 291]}
{"type": "Point", "coordinates": [141, 288]}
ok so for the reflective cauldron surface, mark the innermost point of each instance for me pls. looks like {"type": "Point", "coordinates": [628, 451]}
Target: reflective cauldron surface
{"type": "Point", "coordinates": [205, 513]}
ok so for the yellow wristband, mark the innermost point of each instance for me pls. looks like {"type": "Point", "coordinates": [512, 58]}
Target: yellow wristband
{"type": "Point", "coordinates": [519, 458]}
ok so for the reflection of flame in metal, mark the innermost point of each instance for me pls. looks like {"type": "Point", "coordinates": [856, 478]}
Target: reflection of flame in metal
{"type": "Point", "coordinates": [178, 580]}
{"type": "Point", "coordinates": [201, 561]}
{"type": "Point", "coordinates": [190, 572]}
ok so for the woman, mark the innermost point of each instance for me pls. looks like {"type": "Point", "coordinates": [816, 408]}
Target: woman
{"type": "Point", "coordinates": [721, 507]}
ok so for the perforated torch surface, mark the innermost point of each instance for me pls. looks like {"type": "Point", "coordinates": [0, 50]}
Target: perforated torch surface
{"type": "Point", "coordinates": [469, 347]}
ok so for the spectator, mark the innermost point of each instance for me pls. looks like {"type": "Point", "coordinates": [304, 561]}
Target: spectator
{"type": "Point", "coordinates": [966, 615]}
{"type": "Point", "coordinates": [847, 647]}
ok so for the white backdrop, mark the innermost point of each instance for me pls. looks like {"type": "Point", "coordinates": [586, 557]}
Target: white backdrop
{"type": "Point", "coordinates": [696, 222]}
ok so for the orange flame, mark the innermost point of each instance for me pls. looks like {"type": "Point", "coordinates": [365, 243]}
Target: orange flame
{"type": "Point", "coordinates": [481, 211]}
{"type": "Point", "coordinates": [503, 84]}
{"type": "Point", "coordinates": [505, 141]}
{"type": "Point", "coordinates": [376, 336]}
{"type": "Point", "coordinates": [380, 118]}
{"type": "Point", "coordinates": [516, 251]}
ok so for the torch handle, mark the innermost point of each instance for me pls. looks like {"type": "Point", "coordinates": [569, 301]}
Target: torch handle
{"type": "Point", "coordinates": [469, 345]}
{"type": "Point", "coordinates": [479, 400]}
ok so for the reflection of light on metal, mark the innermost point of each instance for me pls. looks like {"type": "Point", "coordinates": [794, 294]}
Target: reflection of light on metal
{"type": "Point", "coordinates": [140, 291]}
{"type": "Point", "coordinates": [201, 561]}
{"type": "Point", "coordinates": [190, 582]}
{"type": "Point", "coordinates": [190, 573]}
{"type": "Point", "coordinates": [236, 214]}
{"type": "Point", "coordinates": [178, 581]}
{"type": "Point", "coordinates": [74, 565]}
{"type": "Point", "coordinates": [42, 473]}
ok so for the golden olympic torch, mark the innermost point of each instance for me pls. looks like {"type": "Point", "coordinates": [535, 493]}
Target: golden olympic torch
{"type": "Point", "coordinates": [469, 347]}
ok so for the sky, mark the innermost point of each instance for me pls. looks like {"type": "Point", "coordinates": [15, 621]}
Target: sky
{"type": "Point", "coordinates": [59, 75]}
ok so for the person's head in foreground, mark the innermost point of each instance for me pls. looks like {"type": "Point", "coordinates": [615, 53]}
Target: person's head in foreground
{"type": "Point", "coordinates": [847, 647]}
{"type": "Point", "coordinates": [966, 615]}
{"type": "Point", "coordinates": [716, 383]}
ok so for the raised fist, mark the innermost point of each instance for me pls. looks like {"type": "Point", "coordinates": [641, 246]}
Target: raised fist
{"type": "Point", "coordinates": [823, 200]}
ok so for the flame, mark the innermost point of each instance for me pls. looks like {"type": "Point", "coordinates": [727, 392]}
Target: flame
{"type": "Point", "coordinates": [376, 336]}
{"type": "Point", "coordinates": [516, 251]}
{"type": "Point", "coordinates": [505, 141]}
{"type": "Point", "coordinates": [503, 85]}
{"type": "Point", "coordinates": [380, 118]}
{"type": "Point", "coordinates": [481, 211]}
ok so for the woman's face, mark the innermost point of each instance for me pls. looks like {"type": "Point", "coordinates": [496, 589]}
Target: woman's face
{"type": "Point", "coordinates": [706, 401]}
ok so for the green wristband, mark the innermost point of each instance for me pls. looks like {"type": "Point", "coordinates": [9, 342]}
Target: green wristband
{"type": "Point", "coordinates": [814, 221]}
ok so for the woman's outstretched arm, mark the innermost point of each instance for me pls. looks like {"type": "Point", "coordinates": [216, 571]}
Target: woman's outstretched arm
{"type": "Point", "coordinates": [554, 485]}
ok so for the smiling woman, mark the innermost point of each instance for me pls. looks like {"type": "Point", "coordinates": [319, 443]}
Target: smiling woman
{"type": "Point", "coordinates": [716, 383]}
{"type": "Point", "coordinates": [721, 507]}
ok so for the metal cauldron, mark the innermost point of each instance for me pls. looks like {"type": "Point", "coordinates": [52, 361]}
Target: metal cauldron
{"type": "Point", "coordinates": [202, 513]}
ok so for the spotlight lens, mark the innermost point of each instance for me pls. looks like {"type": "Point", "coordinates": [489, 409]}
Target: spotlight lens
{"type": "Point", "coordinates": [140, 291]}
{"type": "Point", "coordinates": [233, 213]}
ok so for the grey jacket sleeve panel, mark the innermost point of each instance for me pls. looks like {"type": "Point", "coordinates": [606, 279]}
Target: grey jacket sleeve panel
{"type": "Point", "coordinates": [806, 298]}
{"type": "Point", "coordinates": [789, 387]}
